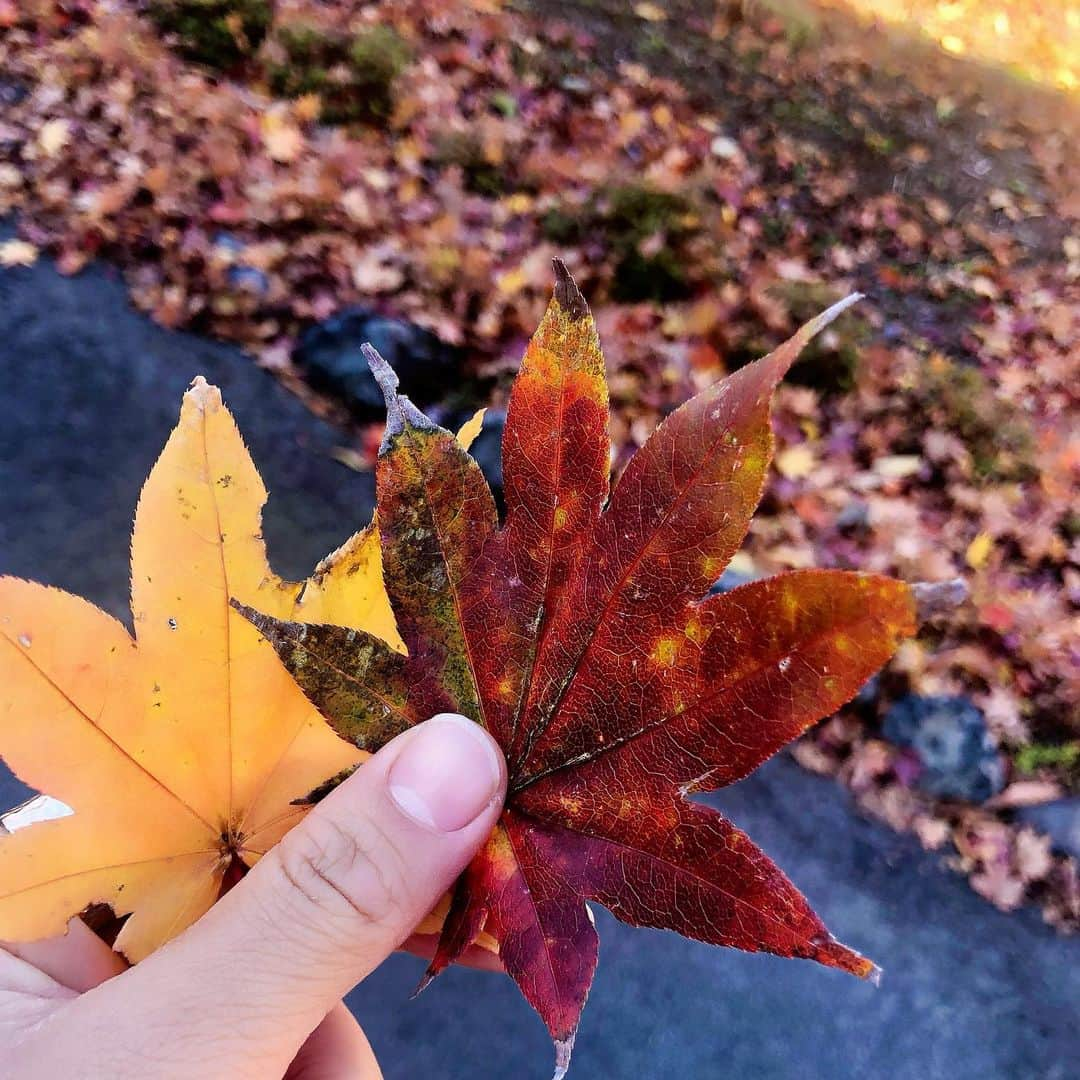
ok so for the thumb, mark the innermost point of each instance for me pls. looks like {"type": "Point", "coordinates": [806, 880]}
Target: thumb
{"type": "Point", "coordinates": [327, 905]}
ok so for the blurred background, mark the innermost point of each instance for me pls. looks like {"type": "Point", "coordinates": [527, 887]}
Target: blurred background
{"type": "Point", "coordinates": [250, 190]}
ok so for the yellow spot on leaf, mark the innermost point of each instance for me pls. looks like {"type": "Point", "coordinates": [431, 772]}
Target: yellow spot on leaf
{"type": "Point", "coordinates": [666, 651]}
{"type": "Point", "coordinates": [790, 602]}
{"type": "Point", "coordinates": [695, 630]}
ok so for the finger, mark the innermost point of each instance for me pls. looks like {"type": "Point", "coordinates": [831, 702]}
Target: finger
{"type": "Point", "coordinates": [21, 980]}
{"type": "Point", "coordinates": [257, 974]}
{"type": "Point", "coordinates": [37, 978]}
{"type": "Point", "coordinates": [337, 1049]}
{"type": "Point", "coordinates": [78, 960]}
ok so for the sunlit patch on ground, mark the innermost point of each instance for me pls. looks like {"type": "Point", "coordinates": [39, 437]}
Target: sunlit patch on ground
{"type": "Point", "coordinates": [1035, 39]}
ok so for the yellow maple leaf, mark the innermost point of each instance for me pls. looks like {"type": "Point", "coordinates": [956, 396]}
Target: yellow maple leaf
{"type": "Point", "coordinates": [180, 750]}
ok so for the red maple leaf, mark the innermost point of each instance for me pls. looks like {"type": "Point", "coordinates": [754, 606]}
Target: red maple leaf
{"type": "Point", "coordinates": [578, 635]}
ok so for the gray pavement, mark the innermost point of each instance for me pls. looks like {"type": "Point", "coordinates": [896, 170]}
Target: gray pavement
{"type": "Point", "coordinates": [90, 390]}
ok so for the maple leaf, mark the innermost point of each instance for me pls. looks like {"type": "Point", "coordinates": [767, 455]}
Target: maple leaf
{"type": "Point", "coordinates": [578, 636]}
{"type": "Point", "coordinates": [181, 750]}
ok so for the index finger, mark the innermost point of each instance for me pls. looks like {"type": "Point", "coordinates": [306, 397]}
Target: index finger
{"type": "Point", "coordinates": [79, 959]}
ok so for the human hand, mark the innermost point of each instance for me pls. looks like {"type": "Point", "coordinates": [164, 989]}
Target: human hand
{"type": "Point", "coordinates": [254, 988]}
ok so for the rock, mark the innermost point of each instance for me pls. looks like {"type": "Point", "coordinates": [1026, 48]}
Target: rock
{"type": "Point", "coordinates": [329, 354]}
{"type": "Point", "coordinates": [854, 516]}
{"type": "Point", "coordinates": [1060, 820]}
{"type": "Point", "coordinates": [227, 242]}
{"type": "Point", "coordinates": [949, 736]}
{"type": "Point", "coordinates": [12, 91]}
{"type": "Point", "coordinates": [248, 279]}
{"type": "Point", "coordinates": [239, 274]}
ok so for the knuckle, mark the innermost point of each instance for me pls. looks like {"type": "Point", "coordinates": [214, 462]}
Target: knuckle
{"type": "Point", "coordinates": [330, 868]}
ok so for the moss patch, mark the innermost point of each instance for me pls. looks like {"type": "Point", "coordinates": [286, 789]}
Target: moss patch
{"type": "Point", "coordinates": [465, 150]}
{"type": "Point", "coordinates": [218, 33]}
{"type": "Point", "coordinates": [1048, 756]}
{"type": "Point", "coordinates": [645, 229]}
{"type": "Point", "coordinates": [960, 399]}
{"type": "Point", "coordinates": [353, 74]}
{"type": "Point", "coordinates": [830, 362]}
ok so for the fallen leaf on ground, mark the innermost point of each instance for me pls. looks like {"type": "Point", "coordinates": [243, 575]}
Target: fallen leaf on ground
{"type": "Point", "coordinates": [282, 138]}
{"type": "Point", "coordinates": [978, 551]}
{"type": "Point", "coordinates": [650, 12]}
{"type": "Point", "coordinates": [53, 136]}
{"type": "Point", "coordinates": [796, 462]}
{"type": "Point", "coordinates": [17, 253]}
{"type": "Point", "coordinates": [898, 466]}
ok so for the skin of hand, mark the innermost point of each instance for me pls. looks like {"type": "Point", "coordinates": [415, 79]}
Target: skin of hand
{"type": "Point", "coordinates": [254, 988]}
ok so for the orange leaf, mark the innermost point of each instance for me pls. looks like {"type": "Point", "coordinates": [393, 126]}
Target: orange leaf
{"type": "Point", "coordinates": [180, 750]}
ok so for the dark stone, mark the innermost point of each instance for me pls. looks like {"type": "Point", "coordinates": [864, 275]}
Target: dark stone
{"type": "Point", "coordinates": [232, 244]}
{"type": "Point", "coordinates": [248, 279]}
{"type": "Point", "coordinates": [240, 275]}
{"type": "Point", "coordinates": [854, 516]}
{"type": "Point", "coordinates": [12, 91]}
{"type": "Point", "coordinates": [1060, 821]}
{"type": "Point", "coordinates": [329, 354]}
{"type": "Point", "coordinates": [950, 738]}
